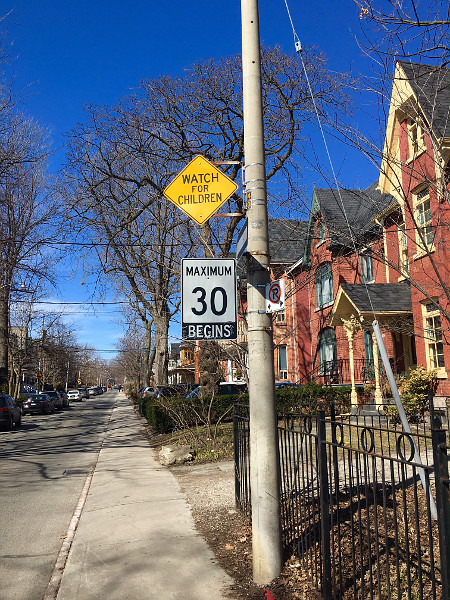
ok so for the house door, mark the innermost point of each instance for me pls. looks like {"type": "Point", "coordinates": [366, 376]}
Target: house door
{"type": "Point", "coordinates": [399, 353]}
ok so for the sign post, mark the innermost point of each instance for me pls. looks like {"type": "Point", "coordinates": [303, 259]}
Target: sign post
{"type": "Point", "coordinates": [208, 299]}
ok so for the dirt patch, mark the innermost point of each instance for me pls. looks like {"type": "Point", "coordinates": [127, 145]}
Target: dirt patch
{"type": "Point", "coordinates": [209, 491]}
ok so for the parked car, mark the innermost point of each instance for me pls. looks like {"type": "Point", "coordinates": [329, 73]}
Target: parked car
{"type": "Point", "coordinates": [65, 399]}
{"type": "Point", "coordinates": [37, 403]}
{"type": "Point", "coordinates": [165, 391]}
{"type": "Point", "coordinates": [75, 396]}
{"type": "Point", "coordinates": [146, 392]}
{"type": "Point", "coordinates": [10, 412]}
{"type": "Point", "coordinates": [195, 392]}
{"type": "Point", "coordinates": [92, 391]}
{"type": "Point", "coordinates": [57, 399]}
{"type": "Point", "coordinates": [84, 392]}
{"type": "Point", "coordinates": [227, 388]}
{"type": "Point", "coordinates": [285, 384]}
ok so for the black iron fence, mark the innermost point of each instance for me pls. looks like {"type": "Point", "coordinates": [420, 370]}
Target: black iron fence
{"type": "Point", "coordinates": [357, 506]}
{"type": "Point", "coordinates": [241, 434]}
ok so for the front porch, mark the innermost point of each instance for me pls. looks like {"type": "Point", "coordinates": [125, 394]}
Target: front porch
{"type": "Point", "coordinates": [355, 309]}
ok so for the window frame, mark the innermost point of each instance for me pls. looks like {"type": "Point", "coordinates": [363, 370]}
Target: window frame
{"type": "Point", "coordinates": [324, 272]}
{"type": "Point", "coordinates": [432, 337]}
{"type": "Point", "coordinates": [420, 198]}
{"type": "Point", "coordinates": [367, 267]}
{"type": "Point", "coordinates": [280, 318]}
{"type": "Point", "coordinates": [416, 138]}
{"type": "Point", "coordinates": [320, 232]}
{"type": "Point", "coordinates": [403, 251]}
{"type": "Point", "coordinates": [282, 362]}
{"type": "Point", "coordinates": [321, 345]}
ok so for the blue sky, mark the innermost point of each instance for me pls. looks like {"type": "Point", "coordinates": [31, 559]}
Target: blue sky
{"type": "Point", "coordinates": [69, 53]}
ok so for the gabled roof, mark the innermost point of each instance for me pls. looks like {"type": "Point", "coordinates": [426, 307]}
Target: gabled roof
{"type": "Point", "coordinates": [383, 299]}
{"type": "Point", "coordinates": [379, 297]}
{"type": "Point", "coordinates": [348, 214]}
{"type": "Point", "coordinates": [287, 240]}
{"type": "Point", "coordinates": [431, 86]}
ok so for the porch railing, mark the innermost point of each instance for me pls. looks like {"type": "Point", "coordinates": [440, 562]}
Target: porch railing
{"type": "Point", "coordinates": [337, 372]}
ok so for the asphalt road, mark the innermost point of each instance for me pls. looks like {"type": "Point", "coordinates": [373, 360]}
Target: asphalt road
{"type": "Point", "coordinates": [43, 467]}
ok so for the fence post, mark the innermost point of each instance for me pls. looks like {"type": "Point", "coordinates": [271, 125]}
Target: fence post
{"type": "Point", "coordinates": [442, 500]}
{"type": "Point", "coordinates": [324, 497]}
{"type": "Point", "coordinates": [335, 454]}
{"type": "Point", "coordinates": [237, 485]}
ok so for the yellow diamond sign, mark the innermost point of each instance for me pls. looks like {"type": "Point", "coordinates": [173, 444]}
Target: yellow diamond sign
{"type": "Point", "coordinates": [200, 189]}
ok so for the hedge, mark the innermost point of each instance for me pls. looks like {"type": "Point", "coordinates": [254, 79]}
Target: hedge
{"type": "Point", "coordinates": [167, 414]}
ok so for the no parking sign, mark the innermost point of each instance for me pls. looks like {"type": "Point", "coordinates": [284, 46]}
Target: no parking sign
{"type": "Point", "coordinates": [275, 298]}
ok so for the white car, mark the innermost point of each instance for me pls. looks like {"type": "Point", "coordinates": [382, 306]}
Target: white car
{"type": "Point", "coordinates": [75, 396]}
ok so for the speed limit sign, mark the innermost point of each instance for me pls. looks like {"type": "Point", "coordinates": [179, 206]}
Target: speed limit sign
{"type": "Point", "coordinates": [208, 299]}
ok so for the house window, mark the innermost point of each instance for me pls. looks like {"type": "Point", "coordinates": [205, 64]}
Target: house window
{"type": "Point", "coordinates": [327, 351]}
{"type": "Point", "coordinates": [320, 232]}
{"type": "Point", "coordinates": [416, 139]}
{"type": "Point", "coordinates": [282, 362]}
{"type": "Point", "coordinates": [324, 285]}
{"type": "Point", "coordinates": [423, 218]}
{"type": "Point", "coordinates": [366, 267]}
{"type": "Point", "coordinates": [281, 317]}
{"type": "Point", "coordinates": [403, 250]}
{"type": "Point", "coordinates": [433, 336]}
{"type": "Point", "coordinates": [368, 346]}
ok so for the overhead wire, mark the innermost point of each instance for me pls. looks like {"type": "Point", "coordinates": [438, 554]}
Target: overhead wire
{"type": "Point", "coordinates": [298, 48]}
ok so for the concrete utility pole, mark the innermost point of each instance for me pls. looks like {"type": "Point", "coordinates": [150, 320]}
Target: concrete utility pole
{"type": "Point", "coordinates": [264, 450]}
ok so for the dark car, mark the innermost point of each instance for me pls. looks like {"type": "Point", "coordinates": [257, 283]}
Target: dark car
{"type": "Point", "coordinates": [285, 384]}
{"type": "Point", "coordinates": [37, 403]}
{"type": "Point", "coordinates": [228, 388]}
{"type": "Point", "coordinates": [84, 392]}
{"type": "Point", "coordinates": [165, 391]}
{"type": "Point", "coordinates": [56, 397]}
{"type": "Point", "coordinates": [10, 413]}
{"type": "Point", "coordinates": [65, 399]}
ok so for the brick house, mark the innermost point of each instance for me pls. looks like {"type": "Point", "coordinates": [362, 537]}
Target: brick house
{"type": "Point", "coordinates": [380, 253]}
{"type": "Point", "coordinates": [290, 326]}
{"type": "Point", "coordinates": [394, 266]}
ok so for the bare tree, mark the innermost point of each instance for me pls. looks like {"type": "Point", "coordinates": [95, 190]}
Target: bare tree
{"type": "Point", "coordinates": [28, 217]}
{"type": "Point", "coordinates": [406, 29]}
{"type": "Point", "coordinates": [121, 160]}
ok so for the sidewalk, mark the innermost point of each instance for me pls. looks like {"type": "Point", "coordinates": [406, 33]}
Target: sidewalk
{"type": "Point", "coordinates": [136, 537]}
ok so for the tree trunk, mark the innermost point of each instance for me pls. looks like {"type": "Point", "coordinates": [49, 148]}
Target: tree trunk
{"type": "Point", "coordinates": [4, 323]}
{"type": "Point", "coordinates": [161, 346]}
{"type": "Point", "coordinates": [148, 343]}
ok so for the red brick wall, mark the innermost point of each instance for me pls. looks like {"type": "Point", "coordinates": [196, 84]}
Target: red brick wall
{"type": "Point", "coordinates": [425, 271]}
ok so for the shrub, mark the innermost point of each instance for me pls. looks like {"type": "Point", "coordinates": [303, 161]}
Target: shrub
{"type": "Point", "coordinates": [132, 394]}
{"type": "Point", "coordinates": [156, 416]}
{"type": "Point", "coordinates": [414, 388]}
{"type": "Point", "coordinates": [168, 414]}
{"type": "Point", "coordinates": [307, 397]}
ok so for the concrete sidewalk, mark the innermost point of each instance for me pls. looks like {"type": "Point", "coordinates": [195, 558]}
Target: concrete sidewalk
{"type": "Point", "coordinates": [136, 537]}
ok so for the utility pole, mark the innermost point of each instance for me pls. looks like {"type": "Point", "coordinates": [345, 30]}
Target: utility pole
{"type": "Point", "coordinates": [264, 449]}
